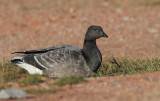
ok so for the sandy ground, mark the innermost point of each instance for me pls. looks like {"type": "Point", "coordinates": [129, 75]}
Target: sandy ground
{"type": "Point", "coordinates": [133, 28]}
{"type": "Point", "coordinates": [142, 87]}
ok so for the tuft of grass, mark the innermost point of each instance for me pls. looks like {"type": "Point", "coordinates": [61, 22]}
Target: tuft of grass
{"type": "Point", "coordinates": [10, 76]}
{"type": "Point", "coordinates": [152, 3]}
{"type": "Point", "coordinates": [1, 87]}
{"type": "Point", "coordinates": [128, 66]}
{"type": "Point", "coordinates": [31, 80]}
{"type": "Point", "coordinates": [42, 91]}
{"type": "Point", "coordinates": [69, 80]}
{"type": "Point", "coordinates": [10, 72]}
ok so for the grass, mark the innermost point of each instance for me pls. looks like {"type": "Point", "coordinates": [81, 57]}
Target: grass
{"type": "Point", "coordinates": [126, 66]}
{"type": "Point", "coordinates": [1, 88]}
{"type": "Point", "coordinates": [11, 75]}
{"type": "Point", "coordinates": [31, 80]}
{"type": "Point", "coordinates": [11, 72]}
{"type": "Point", "coordinates": [152, 3]}
{"type": "Point", "coordinates": [69, 80]}
{"type": "Point", "coordinates": [42, 91]}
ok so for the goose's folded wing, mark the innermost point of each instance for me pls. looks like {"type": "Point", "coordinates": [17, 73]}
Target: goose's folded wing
{"type": "Point", "coordinates": [39, 51]}
{"type": "Point", "coordinates": [60, 57]}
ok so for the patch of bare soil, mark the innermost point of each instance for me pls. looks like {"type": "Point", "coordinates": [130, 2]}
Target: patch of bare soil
{"type": "Point", "coordinates": [141, 87]}
{"type": "Point", "coordinates": [133, 28]}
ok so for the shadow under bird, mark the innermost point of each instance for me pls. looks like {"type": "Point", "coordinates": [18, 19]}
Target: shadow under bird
{"type": "Point", "coordinates": [65, 60]}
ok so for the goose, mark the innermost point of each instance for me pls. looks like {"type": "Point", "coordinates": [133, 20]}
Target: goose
{"type": "Point", "coordinates": [64, 60]}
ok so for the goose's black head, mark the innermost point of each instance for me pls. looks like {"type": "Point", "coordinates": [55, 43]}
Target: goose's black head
{"type": "Point", "coordinates": [95, 32]}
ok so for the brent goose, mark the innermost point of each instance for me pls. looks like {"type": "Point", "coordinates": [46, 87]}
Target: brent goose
{"type": "Point", "coordinates": [65, 60]}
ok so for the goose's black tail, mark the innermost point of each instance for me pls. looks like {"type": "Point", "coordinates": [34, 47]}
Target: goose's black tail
{"type": "Point", "coordinates": [16, 60]}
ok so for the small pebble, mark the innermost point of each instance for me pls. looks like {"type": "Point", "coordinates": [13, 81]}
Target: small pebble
{"type": "Point", "coordinates": [126, 18]}
{"type": "Point", "coordinates": [153, 30]}
{"type": "Point", "coordinates": [119, 10]}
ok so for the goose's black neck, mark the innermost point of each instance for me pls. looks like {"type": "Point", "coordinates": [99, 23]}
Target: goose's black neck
{"type": "Point", "coordinates": [89, 44]}
{"type": "Point", "coordinates": [92, 54]}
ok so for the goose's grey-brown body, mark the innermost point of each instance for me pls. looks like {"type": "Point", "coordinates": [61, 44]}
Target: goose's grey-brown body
{"type": "Point", "coordinates": [65, 60]}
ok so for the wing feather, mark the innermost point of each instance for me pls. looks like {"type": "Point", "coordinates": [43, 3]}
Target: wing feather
{"type": "Point", "coordinates": [59, 56]}
{"type": "Point", "coordinates": [38, 51]}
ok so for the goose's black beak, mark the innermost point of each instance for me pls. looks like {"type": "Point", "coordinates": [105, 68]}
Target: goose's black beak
{"type": "Point", "coordinates": [104, 34]}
